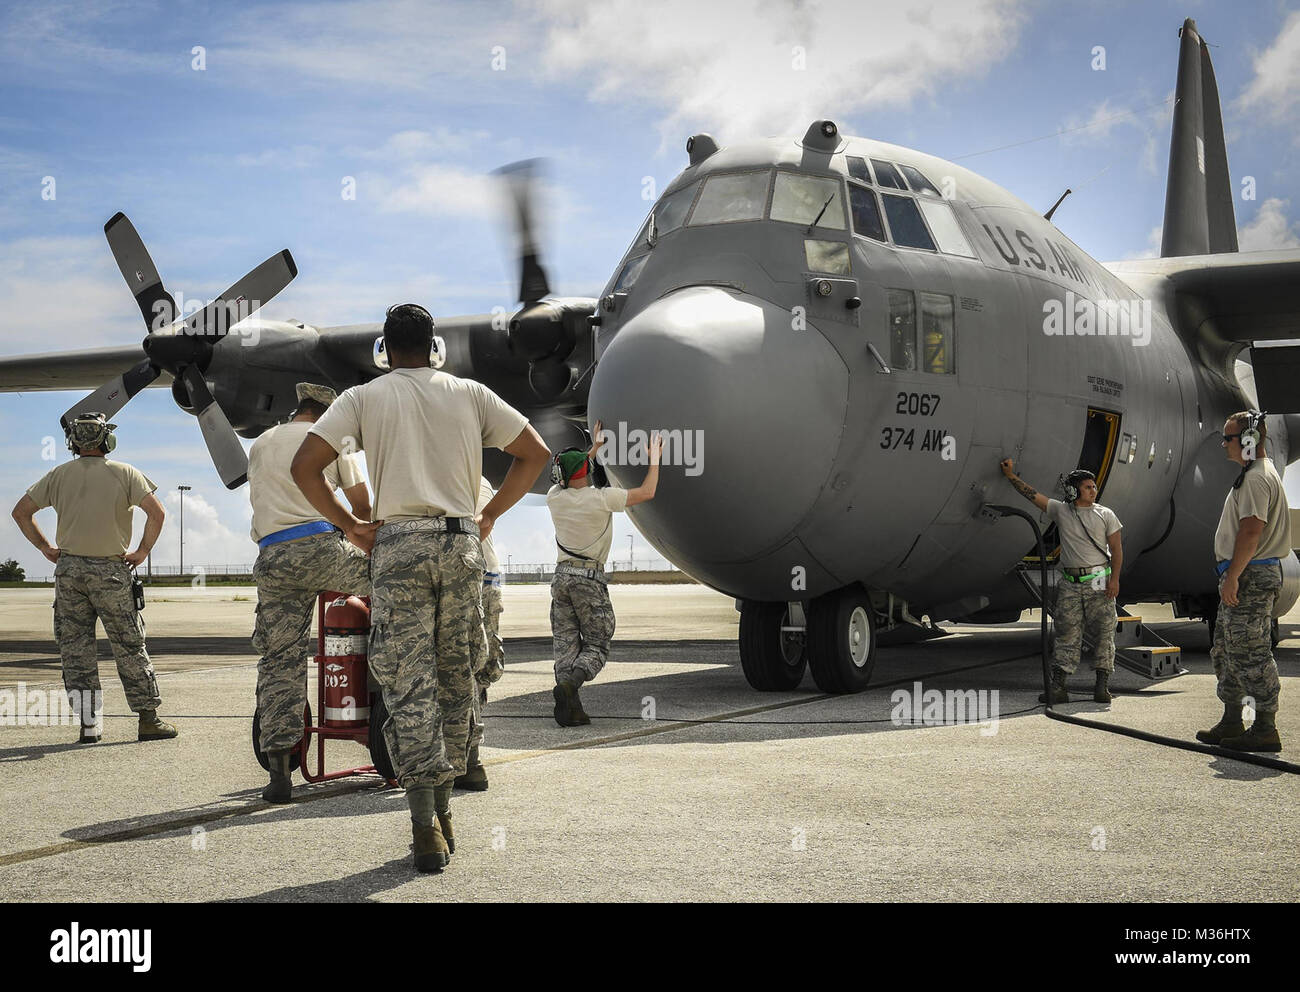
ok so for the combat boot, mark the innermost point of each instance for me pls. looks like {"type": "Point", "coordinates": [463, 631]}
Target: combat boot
{"type": "Point", "coordinates": [475, 778]}
{"type": "Point", "coordinates": [1058, 692]}
{"type": "Point", "coordinates": [431, 851]}
{"type": "Point", "coordinates": [89, 735]}
{"type": "Point", "coordinates": [1229, 726]}
{"type": "Point", "coordinates": [444, 825]}
{"type": "Point", "coordinates": [1262, 735]}
{"type": "Point", "coordinates": [280, 790]}
{"type": "Point", "coordinates": [580, 718]}
{"type": "Point", "coordinates": [566, 701]}
{"type": "Point", "coordinates": [153, 729]}
{"type": "Point", "coordinates": [1101, 691]}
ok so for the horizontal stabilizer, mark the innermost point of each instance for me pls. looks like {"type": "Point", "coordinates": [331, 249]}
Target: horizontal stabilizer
{"type": "Point", "coordinates": [1247, 296]}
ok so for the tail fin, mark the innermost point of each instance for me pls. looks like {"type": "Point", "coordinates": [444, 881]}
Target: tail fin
{"type": "Point", "coordinates": [1199, 218]}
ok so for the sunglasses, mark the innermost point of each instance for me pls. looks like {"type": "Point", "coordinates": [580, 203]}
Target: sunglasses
{"type": "Point", "coordinates": [1228, 439]}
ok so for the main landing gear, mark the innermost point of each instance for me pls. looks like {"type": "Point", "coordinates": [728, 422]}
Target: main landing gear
{"type": "Point", "coordinates": [837, 642]}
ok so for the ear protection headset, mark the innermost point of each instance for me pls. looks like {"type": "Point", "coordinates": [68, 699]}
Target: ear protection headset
{"type": "Point", "coordinates": [557, 470]}
{"type": "Point", "coordinates": [1073, 481]}
{"type": "Point", "coordinates": [91, 430]}
{"type": "Point", "coordinates": [1250, 436]}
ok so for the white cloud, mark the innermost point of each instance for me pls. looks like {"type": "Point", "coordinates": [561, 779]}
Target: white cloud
{"type": "Point", "coordinates": [1269, 228]}
{"type": "Point", "coordinates": [732, 65]}
{"type": "Point", "coordinates": [1152, 249]}
{"type": "Point", "coordinates": [64, 292]}
{"type": "Point", "coordinates": [1116, 126]}
{"type": "Point", "coordinates": [208, 541]}
{"type": "Point", "coordinates": [1275, 89]}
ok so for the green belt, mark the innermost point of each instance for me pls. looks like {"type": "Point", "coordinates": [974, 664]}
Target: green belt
{"type": "Point", "coordinates": [1085, 578]}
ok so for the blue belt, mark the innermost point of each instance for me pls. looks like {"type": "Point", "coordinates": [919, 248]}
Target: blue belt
{"type": "Point", "coordinates": [492, 579]}
{"type": "Point", "coordinates": [1223, 565]}
{"type": "Point", "coordinates": [293, 533]}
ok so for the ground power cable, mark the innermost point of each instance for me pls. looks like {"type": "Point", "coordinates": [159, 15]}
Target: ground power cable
{"type": "Point", "coordinates": [1111, 728]}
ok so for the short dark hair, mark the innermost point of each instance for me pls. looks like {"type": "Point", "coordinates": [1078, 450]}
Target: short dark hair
{"type": "Point", "coordinates": [1242, 422]}
{"type": "Point", "coordinates": [308, 405]}
{"type": "Point", "coordinates": [408, 329]}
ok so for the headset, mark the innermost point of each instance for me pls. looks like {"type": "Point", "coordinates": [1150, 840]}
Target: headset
{"type": "Point", "coordinates": [557, 471]}
{"type": "Point", "coordinates": [1073, 481]}
{"type": "Point", "coordinates": [90, 430]}
{"type": "Point", "coordinates": [1250, 434]}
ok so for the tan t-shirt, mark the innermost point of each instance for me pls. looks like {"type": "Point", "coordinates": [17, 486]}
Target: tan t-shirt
{"type": "Point", "coordinates": [423, 432]}
{"type": "Point", "coordinates": [1261, 495]}
{"type": "Point", "coordinates": [485, 495]}
{"type": "Point", "coordinates": [1076, 525]}
{"type": "Point", "coordinates": [584, 521]}
{"type": "Point", "coordinates": [277, 501]}
{"type": "Point", "coordinates": [93, 498]}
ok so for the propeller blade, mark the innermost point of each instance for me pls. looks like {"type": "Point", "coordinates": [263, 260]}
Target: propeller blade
{"type": "Point", "coordinates": [114, 394]}
{"type": "Point", "coordinates": [521, 178]}
{"type": "Point", "coordinates": [156, 304]}
{"type": "Point", "coordinates": [241, 300]}
{"type": "Point", "coordinates": [227, 453]}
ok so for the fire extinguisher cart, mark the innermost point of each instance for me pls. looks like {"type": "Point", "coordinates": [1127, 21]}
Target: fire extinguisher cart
{"type": "Point", "coordinates": [348, 710]}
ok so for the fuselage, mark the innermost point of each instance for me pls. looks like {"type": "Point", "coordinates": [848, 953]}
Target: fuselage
{"type": "Point", "coordinates": [853, 383]}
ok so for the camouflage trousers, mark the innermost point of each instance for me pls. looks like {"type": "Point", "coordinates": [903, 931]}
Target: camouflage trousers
{"type": "Point", "coordinates": [582, 625]}
{"type": "Point", "coordinates": [90, 588]}
{"type": "Point", "coordinates": [425, 630]}
{"type": "Point", "coordinates": [1243, 649]}
{"type": "Point", "coordinates": [490, 658]}
{"type": "Point", "coordinates": [289, 577]}
{"type": "Point", "coordinates": [1083, 611]}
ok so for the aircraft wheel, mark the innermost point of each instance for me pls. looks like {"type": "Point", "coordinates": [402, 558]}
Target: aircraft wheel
{"type": "Point", "coordinates": [842, 640]}
{"type": "Point", "coordinates": [773, 660]}
{"type": "Point", "coordinates": [378, 744]}
{"type": "Point", "coordinates": [295, 756]}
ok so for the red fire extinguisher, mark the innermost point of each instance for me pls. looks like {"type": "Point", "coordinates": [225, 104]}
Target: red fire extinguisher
{"type": "Point", "coordinates": [347, 627]}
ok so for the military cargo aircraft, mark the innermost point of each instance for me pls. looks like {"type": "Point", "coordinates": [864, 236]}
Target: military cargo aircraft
{"type": "Point", "coordinates": [856, 334]}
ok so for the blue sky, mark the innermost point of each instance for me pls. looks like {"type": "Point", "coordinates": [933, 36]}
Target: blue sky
{"type": "Point", "coordinates": [220, 166]}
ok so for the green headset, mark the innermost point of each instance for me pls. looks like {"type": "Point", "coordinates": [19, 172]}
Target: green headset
{"type": "Point", "coordinates": [91, 430]}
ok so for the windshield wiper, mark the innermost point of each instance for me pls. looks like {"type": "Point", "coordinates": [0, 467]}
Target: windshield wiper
{"type": "Point", "coordinates": [819, 213]}
{"type": "Point", "coordinates": [652, 231]}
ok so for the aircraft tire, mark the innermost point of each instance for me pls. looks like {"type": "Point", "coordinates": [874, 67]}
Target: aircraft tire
{"type": "Point", "coordinates": [842, 640]}
{"type": "Point", "coordinates": [376, 741]}
{"type": "Point", "coordinates": [772, 662]}
{"type": "Point", "coordinates": [295, 756]}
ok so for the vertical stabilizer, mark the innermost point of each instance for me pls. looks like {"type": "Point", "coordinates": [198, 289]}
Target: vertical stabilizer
{"type": "Point", "coordinates": [1199, 217]}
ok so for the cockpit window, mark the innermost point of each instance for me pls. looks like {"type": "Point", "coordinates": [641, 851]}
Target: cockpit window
{"type": "Point", "coordinates": [629, 274]}
{"type": "Point", "coordinates": [731, 198]}
{"type": "Point", "coordinates": [919, 183]}
{"type": "Point", "coordinates": [905, 222]}
{"type": "Point", "coordinates": [945, 228]}
{"type": "Point", "coordinates": [671, 210]}
{"type": "Point", "coordinates": [866, 213]}
{"type": "Point", "coordinates": [808, 200]}
{"type": "Point", "coordinates": [827, 256]}
{"type": "Point", "coordinates": [858, 168]}
{"type": "Point", "coordinates": [887, 175]}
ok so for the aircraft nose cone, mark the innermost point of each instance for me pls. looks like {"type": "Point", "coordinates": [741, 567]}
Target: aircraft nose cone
{"type": "Point", "coordinates": [752, 409]}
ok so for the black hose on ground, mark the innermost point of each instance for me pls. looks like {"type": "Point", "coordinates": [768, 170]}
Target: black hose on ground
{"type": "Point", "coordinates": [1142, 735]}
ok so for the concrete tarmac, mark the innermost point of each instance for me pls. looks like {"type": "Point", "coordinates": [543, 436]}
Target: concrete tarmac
{"type": "Point", "coordinates": [688, 785]}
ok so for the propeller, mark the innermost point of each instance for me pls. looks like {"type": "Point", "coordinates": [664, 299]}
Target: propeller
{"type": "Point", "coordinates": [542, 331]}
{"type": "Point", "coordinates": [184, 347]}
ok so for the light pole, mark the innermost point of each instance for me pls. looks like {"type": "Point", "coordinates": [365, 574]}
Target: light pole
{"type": "Point", "coordinates": [508, 559]}
{"type": "Point", "coordinates": [183, 491]}
{"type": "Point", "coordinates": [631, 562]}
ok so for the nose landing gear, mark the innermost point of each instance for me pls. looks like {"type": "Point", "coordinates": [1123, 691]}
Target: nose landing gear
{"type": "Point", "coordinates": [772, 651]}
{"type": "Point", "coordinates": [842, 640]}
{"type": "Point", "coordinates": [834, 635]}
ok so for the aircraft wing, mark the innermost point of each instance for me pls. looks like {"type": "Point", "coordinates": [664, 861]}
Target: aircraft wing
{"type": "Point", "coordinates": [86, 369]}
{"type": "Point", "coordinates": [1250, 296]}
